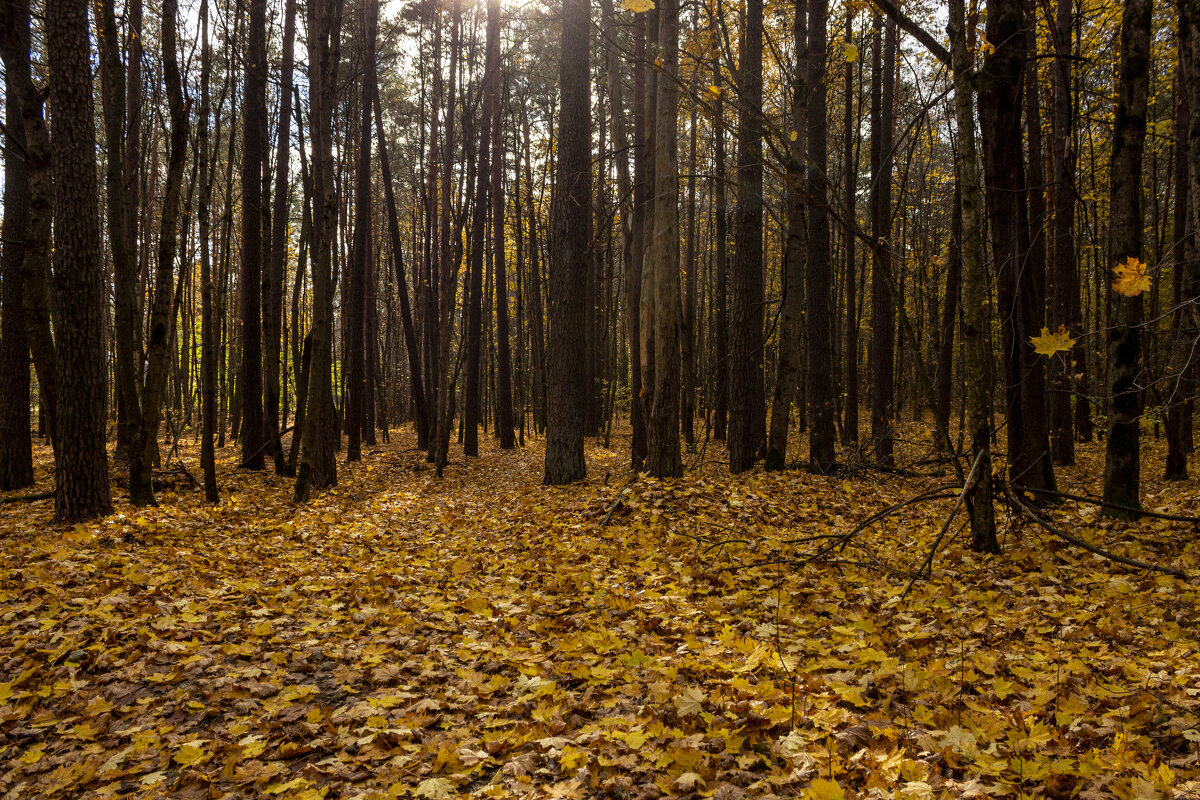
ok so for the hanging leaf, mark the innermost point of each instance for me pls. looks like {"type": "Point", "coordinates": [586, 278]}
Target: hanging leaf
{"type": "Point", "coordinates": [1050, 343]}
{"type": "Point", "coordinates": [1131, 278]}
{"type": "Point", "coordinates": [851, 52]}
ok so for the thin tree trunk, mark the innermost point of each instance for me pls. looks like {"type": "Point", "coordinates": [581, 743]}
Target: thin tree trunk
{"type": "Point", "coordinates": [819, 274]}
{"type": "Point", "coordinates": [663, 459]}
{"type": "Point", "coordinates": [791, 315]}
{"type": "Point", "coordinates": [272, 297]}
{"type": "Point", "coordinates": [979, 388]}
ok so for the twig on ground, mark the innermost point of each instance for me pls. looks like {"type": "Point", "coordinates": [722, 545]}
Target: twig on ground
{"type": "Point", "coordinates": [617, 500]}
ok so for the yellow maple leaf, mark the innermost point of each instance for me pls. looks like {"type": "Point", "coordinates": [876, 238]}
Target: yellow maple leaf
{"type": "Point", "coordinates": [191, 753]}
{"type": "Point", "coordinates": [1131, 278]}
{"type": "Point", "coordinates": [638, 6]}
{"type": "Point", "coordinates": [1050, 343]}
{"type": "Point", "coordinates": [851, 52]}
{"type": "Point", "coordinates": [823, 789]}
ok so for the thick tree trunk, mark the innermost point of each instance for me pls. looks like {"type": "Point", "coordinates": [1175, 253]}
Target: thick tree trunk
{"type": "Point", "coordinates": [1122, 451]}
{"type": "Point", "coordinates": [33, 269]}
{"type": "Point", "coordinates": [636, 256]}
{"type": "Point", "coordinates": [81, 460]}
{"type": "Point", "coordinates": [250, 377]}
{"type": "Point", "coordinates": [747, 307]}
{"type": "Point", "coordinates": [1065, 271]}
{"type": "Point", "coordinates": [1186, 278]}
{"type": "Point", "coordinates": [569, 267]}
{"type": "Point", "coordinates": [1000, 97]}
{"type": "Point", "coordinates": [16, 444]}
{"type": "Point", "coordinates": [318, 467]}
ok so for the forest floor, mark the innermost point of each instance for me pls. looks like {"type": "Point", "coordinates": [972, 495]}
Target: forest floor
{"type": "Point", "coordinates": [486, 636]}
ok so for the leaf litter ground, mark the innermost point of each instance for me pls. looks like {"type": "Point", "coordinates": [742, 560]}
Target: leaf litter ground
{"type": "Point", "coordinates": [485, 636]}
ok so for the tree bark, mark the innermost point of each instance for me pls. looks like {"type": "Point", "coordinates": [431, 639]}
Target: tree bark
{"type": "Point", "coordinates": [819, 273]}
{"type": "Point", "coordinates": [1122, 451]}
{"type": "Point", "coordinates": [569, 267]}
{"type": "Point", "coordinates": [16, 443]}
{"type": "Point", "coordinates": [747, 302]}
{"type": "Point", "coordinates": [663, 458]}
{"type": "Point", "coordinates": [250, 378]}
{"type": "Point", "coordinates": [791, 315]}
{"type": "Point", "coordinates": [81, 460]}
{"type": "Point", "coordinates": [272, 296]}
{"type": "Point", "coordinates": [979, 389]}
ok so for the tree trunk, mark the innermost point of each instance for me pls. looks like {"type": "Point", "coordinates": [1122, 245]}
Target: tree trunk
{"type": "Point", "coordinates": [1122, 451]}
{"type": "Point", "coordinates": [503, 347]}
{"type": "Point", "coordinates": [250, 378]}
{"type": "Point", "coordinates": [81, 460]}
{"type": "Point", "coordinates": [747, 303]}
{"type": "Point", "coordinates": [1186, 322]}
{"type": "Point", "coordinates": [272, 296]}
{"type": "Point", "coordinates": [472, 403]}
{"type": "Point", "coordinates": [406, 318]}
{"type": "Point", "coordinates": [359, 392]}
{"type": "Point", "coordinates": [791, 315]}
{"type": "Point", "coordinates": [16, 444]}
{"type": "Point", "coordinates": [974, 332]}
{"type": "Point", "coordinates": [819, 273]}
{"type": "Point", "coordinates": [318, 468]}
{"type": "Point", "coordinates": [208, 333]}
{"type": "Point", "coordinates": [162, 321]}
{"type": "Point", "coordinates": [850, 354]}
{"type": "Point", "coordinates": [569, 267]}
{"type": "Point", "coordinates": [1000, 97]}
{"type": "Point", "coordinates": [663, 458]}
{"type": "Point", "coordinates": [883, 313]}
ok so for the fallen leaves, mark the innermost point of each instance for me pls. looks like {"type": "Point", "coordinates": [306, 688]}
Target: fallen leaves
{"type": "Point", "coordinates": [482, 636]}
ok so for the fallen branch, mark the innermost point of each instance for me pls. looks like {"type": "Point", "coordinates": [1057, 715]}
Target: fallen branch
{"type": "Point", "coordinates": [1028, 512]}
{"type": "Point", "coordinates": [617, 500]}
{"type": "Point", "coordinates": [1095, 501]}
{"type": "Point", "coordinates": [28, 498]}
{"type": "Point", "coordinates": [927, 564]}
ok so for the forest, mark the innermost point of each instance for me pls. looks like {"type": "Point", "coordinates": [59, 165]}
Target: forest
{"type": "Point", "coordinates": [623, 399]}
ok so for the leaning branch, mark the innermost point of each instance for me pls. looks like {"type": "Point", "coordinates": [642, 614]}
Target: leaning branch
{"type": "Point", "coordinates": [914, 30]}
